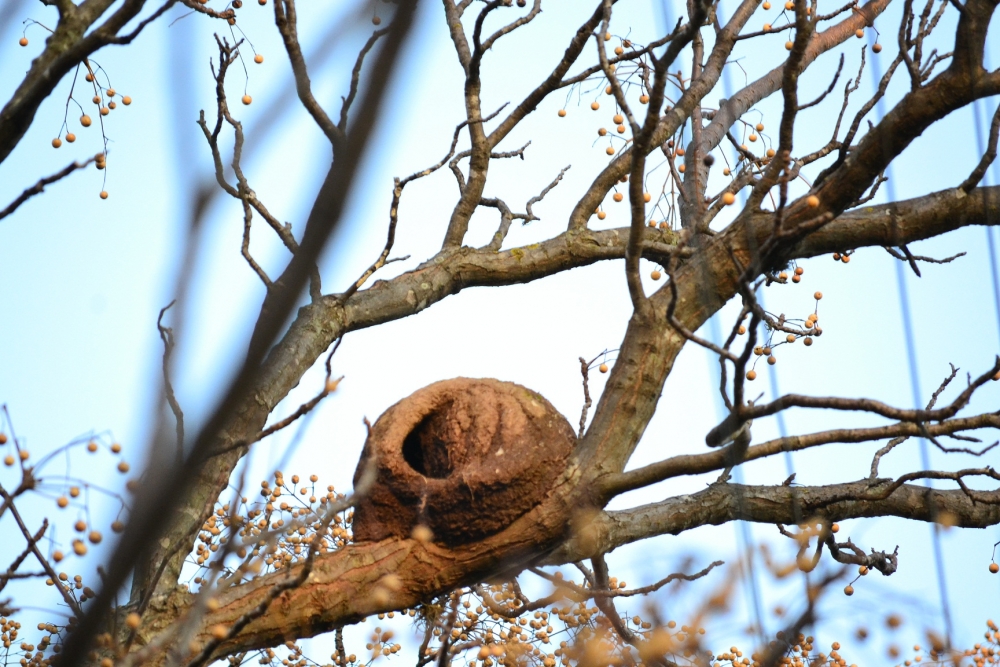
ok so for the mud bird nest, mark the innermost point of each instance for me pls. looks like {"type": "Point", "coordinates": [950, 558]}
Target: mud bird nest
{"type": "Point", "coordinates": [464, 457]}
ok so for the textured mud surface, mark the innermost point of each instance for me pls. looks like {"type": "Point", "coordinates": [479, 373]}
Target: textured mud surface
{"type": "Point", "coordinates": [463, 457]}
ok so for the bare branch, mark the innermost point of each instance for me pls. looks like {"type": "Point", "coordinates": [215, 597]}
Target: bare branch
{"type": "Point", "coordinates": [984, 163]}
{"type": "Point", "coordinates": [39, 187]}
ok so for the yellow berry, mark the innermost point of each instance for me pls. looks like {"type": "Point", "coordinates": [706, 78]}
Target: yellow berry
{"type": "Point", "coordinates": [126, 100]}
{"type": "Point", "coordinates": [751, 375]}
{"type": "Point", "coordinates": [603, 368]}
{"type": "Point", "coordinates": [104, 194]}
{"type": "Point", "coordinates": [609, 150]}
{"type": "Point", "coordinates": [595, 106]}
{"type": "Point", "coordinates": [70, 137]}
{"type": "Point", "coordinates": [62, 501]}
{"type": "Point", "coordinates": [23, 41]}
{"type": "Point", "coordinates": [258, 59]}
{"type": "Point", "coordinates": [562, 113]}
{"type": "Point", "coordinates": [57, 142]}
{"type": "Point", "coordinates": [376, 20]}
{"type": "Point", "coordinates": [728, 198]}
{"type": "Point", "coordinates": [655, 275]}
{"type": "Point", "coordinates": [247, 99]}
{"type": "Point", "coordinates": [85, 120]}
{"type": "Point", "coordinates": [812, 201]}
{"type": "Point", "coordinates": [789, 44]}
{"type": "Point", "coordinates": [618, 196]}
{"type": "Point", "coordinates": [848, 590]}
{"type": "Point", "coordinates": [876, 47]}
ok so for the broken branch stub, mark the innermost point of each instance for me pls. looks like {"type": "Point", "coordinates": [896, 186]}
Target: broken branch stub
{"type": "Point", "coordinates": [464, 457]}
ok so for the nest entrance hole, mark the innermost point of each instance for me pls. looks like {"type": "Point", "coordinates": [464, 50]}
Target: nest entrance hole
{"type": "Point", "coordinates": [427, 449]}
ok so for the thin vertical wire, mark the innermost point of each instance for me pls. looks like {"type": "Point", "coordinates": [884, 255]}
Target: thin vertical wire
{"type": "Point", "coordinates": [743, 528]}
{"type": "Point", "coordinates": [911, 354]}
{"type": "Point", "coordinates": [990, 238]}
{"type": "Point", "coordinates": [995, 170]}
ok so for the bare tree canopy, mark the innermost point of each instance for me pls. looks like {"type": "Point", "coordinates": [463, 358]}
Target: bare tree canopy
{"type": "Point", "coordinates": [720, 156]}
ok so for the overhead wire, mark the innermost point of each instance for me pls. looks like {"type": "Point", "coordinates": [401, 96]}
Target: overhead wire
{"type": "Point", "coordinates": [911, 355]}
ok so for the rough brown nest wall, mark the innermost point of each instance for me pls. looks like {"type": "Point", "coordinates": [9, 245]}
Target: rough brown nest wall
{"type": "Point", "coordinates": [464, 457]}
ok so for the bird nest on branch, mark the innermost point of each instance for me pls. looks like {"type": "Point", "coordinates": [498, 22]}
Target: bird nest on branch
{"type": "Point", "coordinates": [463, 457]}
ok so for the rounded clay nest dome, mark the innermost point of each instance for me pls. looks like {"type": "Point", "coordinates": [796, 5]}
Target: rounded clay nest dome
{"type": "Point", "coordinates": [464, 457]}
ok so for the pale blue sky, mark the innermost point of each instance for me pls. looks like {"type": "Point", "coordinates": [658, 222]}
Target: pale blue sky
{"type": "Point", "coordinates": [82, 280]}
